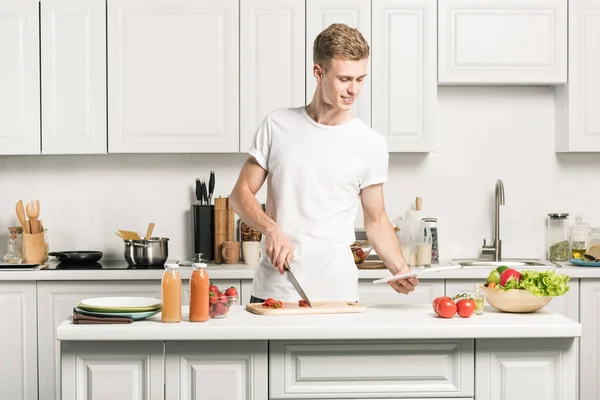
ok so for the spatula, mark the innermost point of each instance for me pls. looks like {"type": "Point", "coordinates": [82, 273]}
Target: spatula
{"type": "Point", "coordinates": [149, 231]}
{"type": "Point", "coordinates": [21, 215]}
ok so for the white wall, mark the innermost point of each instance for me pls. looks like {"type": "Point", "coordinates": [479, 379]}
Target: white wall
{"type": "Point", "coordinates": [484, 134]}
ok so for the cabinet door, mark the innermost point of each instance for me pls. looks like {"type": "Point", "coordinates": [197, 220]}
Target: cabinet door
{"type": "Point", "coordinates": [404, 64]}
{"type": "Point", "coordinates": [56, 300]}
{"type": "Point", "coordinates": [226, 369]}
{"type": "Point", "coordinates": [19, 77]}
{"type": "Point", "coordinates": [18, 347]}
{"type": "Point", "coordinates": [271, 59]}
{"type": "Point", "coordinates": [424, 293]}
{"type": "Point", "coordinates": [173, 76]}
{"type": "Point", "coordinates": [526, 369]}
{"type": "Point", "coordinates": [73, 51]}
{"type": "Point", "coordinates": [495, 42]}
{"type": "Point", "coordinates": [112, 370]}
{"type": "Point", "coordinates": [319, 15]}
{"type": "Point", "coordinates": [577, 103]}
{"type": "Point", "coordinates": [590, 340]}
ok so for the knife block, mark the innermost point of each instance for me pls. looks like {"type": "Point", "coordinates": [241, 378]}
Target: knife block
{"type": "Point", "coordinates": [202, 225]}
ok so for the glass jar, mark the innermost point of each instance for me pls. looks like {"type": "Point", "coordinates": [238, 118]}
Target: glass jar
{"type": "Point", "coordinates": [478, 299]}
{"type": "Point", "coordinates": [432, 225]}
{"type": "Point", "coordinates": [594, 238]}
{"type": "Point", "coordinates": [14, 255]}
{"type": "Point", "coordinates": [579, 235]}
{"type": "Point", "coordinates": [558, 236]}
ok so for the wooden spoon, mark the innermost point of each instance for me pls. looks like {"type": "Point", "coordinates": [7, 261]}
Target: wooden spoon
{"type": "Point", "coordinates": [21, 216]}
{"type": "Point", "coordinates": [149, 231]}
{"type": "Point", "coordinates": [33, 212]}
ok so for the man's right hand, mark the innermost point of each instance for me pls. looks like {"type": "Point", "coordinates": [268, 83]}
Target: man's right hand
{"type": "Point", "coordinates": [279, 248]}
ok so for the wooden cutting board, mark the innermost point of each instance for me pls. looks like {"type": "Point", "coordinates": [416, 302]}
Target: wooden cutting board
{"type": "Point", "coordinates": [322, 307]}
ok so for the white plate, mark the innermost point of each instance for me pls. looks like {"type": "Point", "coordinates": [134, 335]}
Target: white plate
{"type": "Point", "coordinates": [121, 302]}
{"type": "Point", "coordinates": [416, 272]}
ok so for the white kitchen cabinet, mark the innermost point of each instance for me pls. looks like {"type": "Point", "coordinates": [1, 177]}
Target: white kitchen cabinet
{"type": "Point", "coordinates": [73, 60]}
{"type": "Point", "coordinates": [55, 302]}
{"type": "Point", "coordinates": [18, 347]}
{"type": "Point", "coordinates": [173, 76]}
{"type": "Point", "coordinates": [112, 370]}
{"type": "Point", "coordinates": [495, 42]}
{"type": "Point", "coordinates": [216, 370]}
{"type": "Point", "coordinates": [271, 61]}
{"type": "Point", "coordinates": [424, 293]}
{"type": "Point", "coordinates": [567, 305]}
{"type": "Point", "coordinates": [590, 340]}
{"type": "Point", "coordinates": [526, 369]}
{"type": "Point", "coordinates": [355, 13]}
{"type": "Point", "coordinates": [19, 77]}
{"type": "Point", "coordinates": [404, 65]}
{"type": "Point", "coordinates": [577, 122]}
{"type": "Point", "coordinates": [317, 369]}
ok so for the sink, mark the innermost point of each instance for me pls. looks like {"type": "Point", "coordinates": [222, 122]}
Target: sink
{"type": "Point", "coordinates": [509, 262]}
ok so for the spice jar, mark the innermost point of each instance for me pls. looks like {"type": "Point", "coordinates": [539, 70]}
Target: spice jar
{"type": "Point", "coordinates": [558, 236]}
{"type": "Point", "coordinates": [579, 235]}
{"type": "Point", "coordinates": [431, 224]}
{"type": "Point", "coordinates": [594, 237]}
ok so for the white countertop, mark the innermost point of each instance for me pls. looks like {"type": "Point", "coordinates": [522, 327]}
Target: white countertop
{"type": "Point", "coordinates": [243, 271]}
{"type": "Point", "coordinates": [377, 322]}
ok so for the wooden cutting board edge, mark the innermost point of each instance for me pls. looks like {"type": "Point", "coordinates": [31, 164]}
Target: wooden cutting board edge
{"type": "Point", "coordinates": [338, 307]}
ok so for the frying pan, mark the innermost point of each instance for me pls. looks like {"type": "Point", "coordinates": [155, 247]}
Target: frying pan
{"type": "Point", "coordinates": [72, 257]}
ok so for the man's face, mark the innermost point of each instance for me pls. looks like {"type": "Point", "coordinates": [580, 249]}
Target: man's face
{"type": "Point", "coordinates": [342, 82]}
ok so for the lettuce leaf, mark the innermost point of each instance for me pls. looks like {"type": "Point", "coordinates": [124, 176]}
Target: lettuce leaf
{"type": "Point", "coordinates": [540, 283]}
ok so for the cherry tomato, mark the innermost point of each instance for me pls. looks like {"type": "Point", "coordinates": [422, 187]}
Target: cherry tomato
{"type": "Point", "coordinates": [465, 307]}
{"type": "Point", "coordinates": [437, 300]}
{"type": "Point", "coordinates": [446, 308]}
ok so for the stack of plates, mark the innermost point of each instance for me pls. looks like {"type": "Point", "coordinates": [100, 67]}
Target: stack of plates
{"type": "Point", "coordinates": [136, 308]}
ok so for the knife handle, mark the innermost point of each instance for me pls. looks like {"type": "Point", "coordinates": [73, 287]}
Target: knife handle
{"type": "Point", "coordinates": [198, 192]}
{"type": "Point", "coordinates": [211, 186]}
{"type": "Point", "coordinates": [286, 266]}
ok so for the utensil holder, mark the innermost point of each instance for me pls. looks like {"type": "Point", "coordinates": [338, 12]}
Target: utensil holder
{"type": "Point", "coordinates": [34, 248]}
{"type": "Point", "coordinates": [202, 225]}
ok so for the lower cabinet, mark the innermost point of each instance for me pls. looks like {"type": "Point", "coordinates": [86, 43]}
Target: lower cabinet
{"type": "Point", "coordinates": [112, 371]}
{"type": "Point", "coordinates": [590, 340]}
{"type": "Point", "coordinates": [216, 370]}
{"type": "Point", "coordinates": [371, 369]}
{"type": "Point", "coordinates": [18, 346]}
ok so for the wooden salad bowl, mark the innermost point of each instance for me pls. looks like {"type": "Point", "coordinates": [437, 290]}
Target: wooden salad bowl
{"type": "Point", "coordinates": [514, 300]}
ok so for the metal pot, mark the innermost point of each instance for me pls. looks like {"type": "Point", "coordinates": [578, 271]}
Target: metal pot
{"type": "Point", "coordinates": [147, 252]}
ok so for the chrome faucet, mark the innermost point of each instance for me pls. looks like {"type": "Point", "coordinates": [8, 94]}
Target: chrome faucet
{"type": "Point", "coordinates": [496, 248]}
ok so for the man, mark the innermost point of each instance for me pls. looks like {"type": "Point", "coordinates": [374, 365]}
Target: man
{"type": "Point", "coordinates": [319, 161]}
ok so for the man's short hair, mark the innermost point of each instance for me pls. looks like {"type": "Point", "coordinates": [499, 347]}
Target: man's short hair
{"type": "Point", "coordinates": [339, 41]}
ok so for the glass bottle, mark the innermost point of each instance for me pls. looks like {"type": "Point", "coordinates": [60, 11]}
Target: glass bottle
{"type": "Point", "coordinates": [478, 299]}
{"type": "Point", "coordinates": [594, 237]}
{"type": "Point", "coordinates": [424, 245]}
{"type": "Point", "coordinates": [558, 236]}
{"type": "Point", "coordinates": [579, 236]}
{"type": "Point", "coordinates": [199, 284]}
{"type": "Point", "coordinates": [13, 256]}
{"type": "Point", "coordinates": [171, 294]}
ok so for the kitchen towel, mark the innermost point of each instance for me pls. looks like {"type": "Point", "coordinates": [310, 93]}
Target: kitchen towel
{"type": "Point", "coordinates": [79, 318]}
{"type": "Point", "coordinates": [593, 254]}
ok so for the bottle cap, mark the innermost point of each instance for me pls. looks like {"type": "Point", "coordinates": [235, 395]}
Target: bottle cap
{"type": "Point", "coordinates": [172, 266]}
{"type": "Point", "coordinates": [558, 215]}
{"type": "Point", "coordinates": [199, 265]}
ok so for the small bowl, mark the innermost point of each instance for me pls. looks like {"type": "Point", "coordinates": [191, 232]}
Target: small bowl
{"type": "Point", "coordinates": [220, 309]}
{"type": "Point", "coordinates": [514, 300]}
{"type": "Point", "coordinates": [360, 251]}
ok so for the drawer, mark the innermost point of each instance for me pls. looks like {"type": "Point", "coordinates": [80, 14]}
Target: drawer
{"type": "Point", "coordinates": [371, 369]}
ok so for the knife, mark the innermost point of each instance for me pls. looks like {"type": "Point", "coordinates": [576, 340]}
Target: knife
{"type": "Point", "coordinates": [204, 194]}
{"type": "Point", "coordinates": [198, 192]}
{"type": "Point", "coordinates": [295, 283]}
{"type": "Point", "coordinates": [211, 186]}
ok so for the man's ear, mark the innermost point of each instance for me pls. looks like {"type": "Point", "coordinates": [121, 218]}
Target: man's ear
{"type": "Point", "coordinates": [318, 72]}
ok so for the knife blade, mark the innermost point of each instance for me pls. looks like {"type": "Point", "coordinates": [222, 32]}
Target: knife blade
{"type": "Point", "coordinates": [198, 192]}
{"type": "Point", "coordinates": [211, 186]}
{"type": "Point", "coordinates": [295, 283]}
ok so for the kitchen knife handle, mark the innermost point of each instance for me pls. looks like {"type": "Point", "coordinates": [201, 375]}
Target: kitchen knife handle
{"type": "Point", "coordinates": [286, 266]}
{"type": "Point", "coordinates": [204, 195]}
{"type": "Point", "coordinates": [198, 192]}
{"type": "Point", "coordinates": [211, 186]}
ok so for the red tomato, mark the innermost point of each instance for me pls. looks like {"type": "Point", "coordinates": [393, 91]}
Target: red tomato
{"type": "Point", "coordinates": [231, 292]}
{"type": "Point", "coordinates": [437, 300]}
{"type": "Point", "coordinates": [213, 298]}
{"type": "Point", "coordinates": [213, 288]}
{"type": "Point", "coordinates": [446, 308]}
{"type": "Point", "coordinates": [302, 303]}
{"type": "Point", "coordinates": [465, 307]}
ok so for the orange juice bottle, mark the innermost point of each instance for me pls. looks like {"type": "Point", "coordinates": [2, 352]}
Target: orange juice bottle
{"type": "Point", "coordinates": [171, 294]}
{"type": "Point", "coordinates": [199, 284]}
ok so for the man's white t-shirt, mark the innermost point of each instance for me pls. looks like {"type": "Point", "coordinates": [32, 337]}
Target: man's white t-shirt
{"type": "Point", "coordinates": [315, 174]}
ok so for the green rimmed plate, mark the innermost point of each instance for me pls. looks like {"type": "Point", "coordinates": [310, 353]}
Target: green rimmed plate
{"type": "Point", "coordinates": [120, 304]}
{"type": "Point", "coordinates": [136, 316]}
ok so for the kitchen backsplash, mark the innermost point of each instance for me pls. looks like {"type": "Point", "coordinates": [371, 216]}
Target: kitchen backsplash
{"type": "Point", "coordinates": [484, 133]}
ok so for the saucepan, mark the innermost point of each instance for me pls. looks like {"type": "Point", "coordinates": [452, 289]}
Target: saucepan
{"type": "Point", "coordinates": [151, 252]}
{"type": "Point", "coordinates": [77, 257]}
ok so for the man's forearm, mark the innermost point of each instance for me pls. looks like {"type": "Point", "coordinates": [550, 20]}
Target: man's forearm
{"type": "Point", "coordinates": [245, 204]}
{"type": "Point", "coordinates": [384, 241]}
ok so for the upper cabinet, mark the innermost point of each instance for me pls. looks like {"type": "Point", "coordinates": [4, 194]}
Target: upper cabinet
{"type": "Point", "coordinates": [73, 59]}
{"type": "Point", "coordinates": [271, 61]}
{"type": "Point", "coordinates": [19, 77]}
{"type": "Point", "coordinates": [355, 13]}
{"type": "Point", "coordinates": [173, 76]}
{"type": "Point", "coordinates": [577, 104]}
{"type": "Point", "coordinates": [404, 83]}
{"type": "Point", "coordinates": [495, 42]}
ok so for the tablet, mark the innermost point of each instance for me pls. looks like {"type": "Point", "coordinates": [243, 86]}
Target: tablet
{"type": "Point", "coordinates": [417, 272]}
